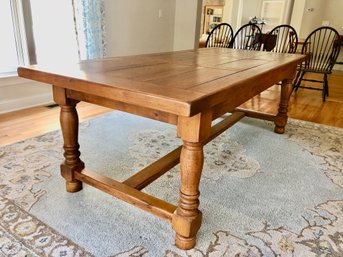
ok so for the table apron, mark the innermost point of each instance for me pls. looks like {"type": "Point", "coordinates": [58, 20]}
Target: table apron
{"type": "Point", "coordinates": [125, 107]}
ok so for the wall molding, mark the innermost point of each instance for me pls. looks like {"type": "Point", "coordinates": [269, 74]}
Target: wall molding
{"type": "Point", "coordinates": [25, 102]}
{"type": "Point", "coordinates": [338, 67]}
{"type": "Point", "coordinates": [12, 80]}
{"type": "Point", "coordinates": [18, 93]}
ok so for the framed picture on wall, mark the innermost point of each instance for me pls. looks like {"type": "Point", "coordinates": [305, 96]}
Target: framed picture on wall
{"type": "Point", "coordinates": [213, 16]}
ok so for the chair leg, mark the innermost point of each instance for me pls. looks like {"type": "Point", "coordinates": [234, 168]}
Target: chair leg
{"type": "Point", "coordinates": [298, 79]}
{"type": "Point", "coordinates": [295, 80]}
{"type": "Point", "coordinates": [326, 84]}
{"type": "Point", "coordinates": [325, 87]}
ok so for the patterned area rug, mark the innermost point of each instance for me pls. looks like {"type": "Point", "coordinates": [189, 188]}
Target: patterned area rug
{"type": "Point", "coordinates": [21, 234]}
{"type": "Point", "coordinates": [262, 194]}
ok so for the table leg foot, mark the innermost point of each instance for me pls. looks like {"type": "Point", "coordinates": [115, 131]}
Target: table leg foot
{"type": "Point", "coordinates": [73, 186]}
{"type": "Point", "coordinates": [184, 243]}
{"type": "Point", "coordinates": [279, 129]}
{"type": "Point", "coordinates": [67, 172]}
{"type": "Point", "coordinates": [186, 227]}
{"type": "Point", "coordinates": [281, 117]}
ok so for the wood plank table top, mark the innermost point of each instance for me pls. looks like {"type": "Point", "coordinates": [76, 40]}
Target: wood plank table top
{"type": "Point", "coordinates": [182, 83]}
{"type": "Point", "coordinates": [188, 89]}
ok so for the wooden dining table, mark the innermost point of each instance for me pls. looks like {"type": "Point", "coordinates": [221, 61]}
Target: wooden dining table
{"type": "Point", "coordinates": [188, 89]}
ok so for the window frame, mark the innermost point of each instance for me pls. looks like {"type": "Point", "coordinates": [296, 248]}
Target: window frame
{"type": "Point", "coordinates": [18, 24]}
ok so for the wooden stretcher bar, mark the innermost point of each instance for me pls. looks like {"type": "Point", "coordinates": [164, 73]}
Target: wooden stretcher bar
{"type": "Point", "coordinates": [129, 190]}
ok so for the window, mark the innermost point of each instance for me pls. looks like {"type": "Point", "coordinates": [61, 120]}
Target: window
{"type": "Point", "coordinates": [12, 51]}
{"type": "Point", "coordinates": [53, 31]}
{"type": "Point", "coordinates": [40, 31]}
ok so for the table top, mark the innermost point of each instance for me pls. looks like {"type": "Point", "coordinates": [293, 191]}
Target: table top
{"type": "Point", "coordinates": [182, 83]}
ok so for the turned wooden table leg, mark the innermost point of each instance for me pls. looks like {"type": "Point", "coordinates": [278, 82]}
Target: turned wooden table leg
{"type": "Point", "coordinates": [186, 220]}
{"type": "Point", "coordinates": [281, 117]}
{"type": "Point", "coordinates": [70, 126]}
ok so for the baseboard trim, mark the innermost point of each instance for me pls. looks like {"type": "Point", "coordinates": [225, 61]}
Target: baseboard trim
{"type": "Point", "coordinates": [25, 102]}
{"type": "Point", "coordinates": [338, 67]}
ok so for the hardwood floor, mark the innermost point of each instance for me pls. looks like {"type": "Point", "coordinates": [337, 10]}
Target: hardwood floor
{"type": "Point", "coordinates": [307, 104]}
{"type": "Point", "coordinates": [19, 125]}
{"type": "Point", "coordinates": [304, 105]}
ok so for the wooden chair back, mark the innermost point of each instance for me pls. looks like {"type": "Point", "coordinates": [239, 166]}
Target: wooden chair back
{"type": "Point", "coordinates": [220, 36]}
{"type": "Point", "coordinates": [245, 37]}
{"type": "Point", "coordinates": [286, 39]}
{"type": "Point", "coordinates": [322, 49]}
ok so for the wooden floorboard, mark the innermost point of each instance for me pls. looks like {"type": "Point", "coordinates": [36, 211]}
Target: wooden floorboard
{"type": "Point", "coordinates": [304, 105]}
{"type": "Point", "coordinates": [307, 104]}
{"type": "Point", "coordinates": [23, 124]}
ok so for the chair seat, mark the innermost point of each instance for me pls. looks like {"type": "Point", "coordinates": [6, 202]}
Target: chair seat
{"type": "Point", "coordinates": [322, 71]}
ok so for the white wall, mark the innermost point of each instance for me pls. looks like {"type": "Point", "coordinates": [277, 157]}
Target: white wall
{"type": "Point", "coordinates": [235, 16]}
{"type": "Point", "coordinates": [228, 9]}
{"type": "Point", "coordinates": [333, 13]}
{"type": "Point", "coordinates": [136, 26]}
{"type": "Point", "coordinates": [288, 11]}
{"type": "Point", "coordinates": [185, 27]}
{"type": "Point", "coordinates": [297, 15]}
{"type": "Point", "coordinates": [313, 16]}
{"type": "Point", "coordinates": [251, 8]}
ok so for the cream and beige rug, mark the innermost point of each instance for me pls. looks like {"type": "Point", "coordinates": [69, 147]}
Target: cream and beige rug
{"type": "Point", "coordinates": [262, 194]}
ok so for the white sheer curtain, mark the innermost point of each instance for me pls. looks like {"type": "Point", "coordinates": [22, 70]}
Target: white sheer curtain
{"type": "Point", "coordinates": [89, 18]}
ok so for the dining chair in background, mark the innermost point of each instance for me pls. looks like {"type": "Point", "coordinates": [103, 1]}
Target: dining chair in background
{"type": "Point", "coordinates": [220, 36]}
{"type": "Point", "coordinates": [245, 36]}
{"type": "Point", "coordinates": [286, 39]}
{"type": "Point", "coordinates": [322, 48]}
